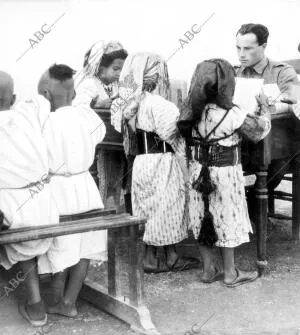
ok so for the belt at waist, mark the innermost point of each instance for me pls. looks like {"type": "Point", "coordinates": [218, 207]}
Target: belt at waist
{"type": "Point", "coordinates": [150, 143]}
{"type": "Point", "coordinates": [66, 174]}
{"type": "Point", "coordinates": [219, 155]}
{"type": "Point", "coordinates": [45, 179]}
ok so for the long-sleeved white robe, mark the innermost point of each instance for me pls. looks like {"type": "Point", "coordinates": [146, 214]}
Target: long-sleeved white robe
{"type": "Point", "coordinates": [72, 134]}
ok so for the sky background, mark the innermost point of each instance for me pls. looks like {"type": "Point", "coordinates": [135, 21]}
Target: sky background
{"type": "Point", "coordinates": [140, 25]}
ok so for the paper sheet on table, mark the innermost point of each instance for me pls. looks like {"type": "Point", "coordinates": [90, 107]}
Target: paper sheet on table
{"type": "Point", "coordinates": [272, 92]}
{"type": "Point", "coordinates": [246, 89]}
{"type": "Point", "coordinates": [295, 91]}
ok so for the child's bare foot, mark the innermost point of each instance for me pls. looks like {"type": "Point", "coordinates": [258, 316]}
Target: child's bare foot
{"type": "Point", "coordinates": [63, 308]}
{"type": "Point", "coordinates": [211, 275]}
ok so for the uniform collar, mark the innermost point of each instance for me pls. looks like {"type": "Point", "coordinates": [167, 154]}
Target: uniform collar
{"type": "Point", "coordinates": [260, 66]}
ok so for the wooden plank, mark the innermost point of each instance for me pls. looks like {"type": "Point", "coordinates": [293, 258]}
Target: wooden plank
{"type": "Point", "coordinates": [282, 194]}
{"type": "Point", "coordinates": [71, 227]}
{"type": "Point", "coordinates": [87, 215]}
{"type": "Point", "coordinates": [125, 264]}
{"type": "Point", "coordinates": [283, 198]}
{"type": "Point", "coordinates": [280, 216]}
{"type": "Point", "coordinates": [138, 317]}
{"type": "Point", "coordinates": [135, 267]}
{"type": "Point", "coordinates": [66, 219]}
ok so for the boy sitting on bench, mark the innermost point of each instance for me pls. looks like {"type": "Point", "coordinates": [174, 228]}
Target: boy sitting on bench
{"type": "Point", "coordinates": [71, 134]}
{"type": "Point", "coordinates": [25, 199]}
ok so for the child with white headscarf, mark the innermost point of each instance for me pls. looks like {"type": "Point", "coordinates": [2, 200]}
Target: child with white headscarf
{"type": "Point", "coordinates": [148, 121]}
{"type": "Point", "coordinates": [97, 86]}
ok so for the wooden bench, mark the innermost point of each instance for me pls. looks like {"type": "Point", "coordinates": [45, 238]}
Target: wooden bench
{"type": "Point", "coordinates": [123, 297]}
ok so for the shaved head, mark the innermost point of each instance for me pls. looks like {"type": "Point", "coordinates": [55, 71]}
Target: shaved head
{"type": "Point", "coordinates": [57, 85]}
{"type": "Point", "coordinates": [7, 97]}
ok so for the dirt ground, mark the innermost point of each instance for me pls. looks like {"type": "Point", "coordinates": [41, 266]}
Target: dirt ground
{"type": "Point", "coordinates": [180, 304]}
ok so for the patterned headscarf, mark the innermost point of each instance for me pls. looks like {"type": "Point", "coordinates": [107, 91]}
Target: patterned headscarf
{"type": "Point", "coordinates": [93, 57]}
{"type": "Point", "coordinates": [213, 82]}
{"type": "Point", "coordinates": [141, 71]}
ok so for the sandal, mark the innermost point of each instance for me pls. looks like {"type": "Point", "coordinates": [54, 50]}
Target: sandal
{"type": "Point", "coordinates": [219, 275]}
{"type": "Point", "coordinates": [184, 263]}
{"type": "Point", "coordinates": [242, 278]}
{"type": "Point", "coordinates": [24, 310]}
{"type": "Point", "coordinates": [160, 267]}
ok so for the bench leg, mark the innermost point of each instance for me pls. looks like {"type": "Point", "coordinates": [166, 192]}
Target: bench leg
{"type": "Point", "coordinates": [296, 200]}
{"type": "Point", "coordinates": [124, 297]}
{"type": "Point", "coordinates": [261, 193]}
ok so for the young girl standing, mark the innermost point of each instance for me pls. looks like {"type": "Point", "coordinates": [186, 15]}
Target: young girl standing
{"type": "Point", "coordinates": [213, 127]}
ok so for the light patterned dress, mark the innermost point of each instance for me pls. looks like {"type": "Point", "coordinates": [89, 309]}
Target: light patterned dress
{"type": "Point", "coordinates": [228, 203]}
{"type": "Point", "coordinates": [158, 192]}
{"type": "Point", "coordinates": [71, 134]}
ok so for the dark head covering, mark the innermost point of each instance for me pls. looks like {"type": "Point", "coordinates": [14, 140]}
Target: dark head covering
{"type": "Point", "coordinates": [213, 82]}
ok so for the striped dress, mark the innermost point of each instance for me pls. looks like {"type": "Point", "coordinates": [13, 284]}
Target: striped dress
{"type": "Point", "coordinates": [158, 192]}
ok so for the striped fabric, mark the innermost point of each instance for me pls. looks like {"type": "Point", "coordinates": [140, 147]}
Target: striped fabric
{"type": "Point", "coordinates": [158, 192]}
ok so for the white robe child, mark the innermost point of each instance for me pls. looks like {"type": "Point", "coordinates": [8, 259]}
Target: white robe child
{"type": "Point", "coordinates": [72, 134]}
{"type": "Point", "coordinates": [25, 198]}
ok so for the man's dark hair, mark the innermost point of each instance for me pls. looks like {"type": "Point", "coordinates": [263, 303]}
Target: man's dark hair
{"type": "Point", "coordinates": [259, 30]}
{"type": "Point", "coordinates": [107, 59]}
{"type": "Point", "coordinates": [61, 72]}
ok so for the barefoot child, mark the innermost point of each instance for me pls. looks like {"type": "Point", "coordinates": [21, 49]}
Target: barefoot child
{"type": "Point", "coordinates": [212, 126]}
{"type": "Point", "coordinates": [71, 135]}
{"type": "Point", "coordinates": [24, 192]}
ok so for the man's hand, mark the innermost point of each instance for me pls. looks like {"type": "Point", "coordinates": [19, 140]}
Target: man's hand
{"type": "Point", "coordinates": [265, 106]}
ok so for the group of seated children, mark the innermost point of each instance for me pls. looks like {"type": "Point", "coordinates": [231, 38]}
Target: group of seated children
{"type": "Point", "coordinates": [49, 141]}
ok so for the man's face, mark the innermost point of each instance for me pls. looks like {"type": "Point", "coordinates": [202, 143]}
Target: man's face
{"type": "Point", "coordinates": [248, 50]}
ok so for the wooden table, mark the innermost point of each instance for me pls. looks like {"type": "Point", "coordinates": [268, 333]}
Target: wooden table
{"type": "Point", "coordinates": [282, 143]}
{"type": "Point", "coordinates": [114, 164]}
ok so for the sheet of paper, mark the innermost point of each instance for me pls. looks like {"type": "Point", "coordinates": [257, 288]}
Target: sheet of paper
{"type": "Point", "coordinates": [295, 91]}
{"type": "Point", "coordinates": [246, 89]}
{"type": "Point", "coordinates": [272, 92]}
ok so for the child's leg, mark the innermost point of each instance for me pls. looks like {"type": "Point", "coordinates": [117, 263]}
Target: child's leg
{"type": "Point", "coordinates": [233, 276]}
{"type": "Point", "coordinates": [78, 273]}
{"type": "Point", "coordinates": [58, 285]}
{"type": "Point", "coordinates": [150, 259]}
{"type": "Point", "coordinates": [34, 309]}
{"type": "Point", "coordinates": [171, 254]}
{"type": "Point", "coordinates": [209, 268]}
{"type": "Point", "coordinates": [29, 269]}
{"type": "Point", "coordinates": [67, 305]}
{"type": "Point", "coordinates": [228, 263]}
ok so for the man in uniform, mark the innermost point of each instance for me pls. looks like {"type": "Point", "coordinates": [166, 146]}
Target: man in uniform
{"type": "Point", "coordinates": [251, 42]}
